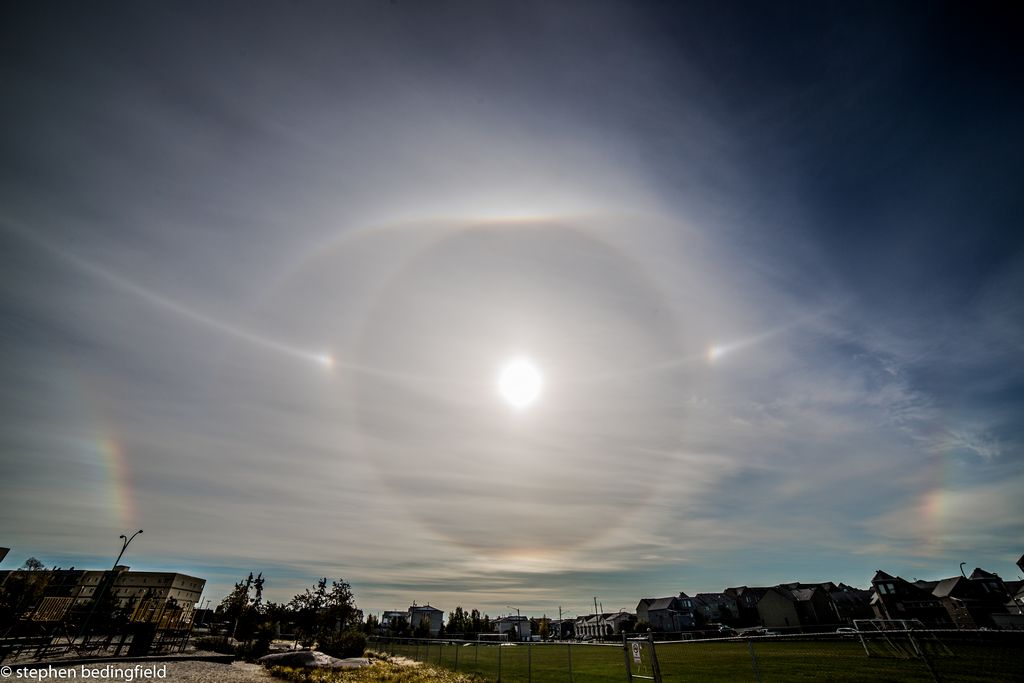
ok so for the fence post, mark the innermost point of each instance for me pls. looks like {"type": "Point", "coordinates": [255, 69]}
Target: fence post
{"type": "Point", "coordinates": [625, 656]}
{"type": "Point", "coordinates": [457, 648]}
{"type": "Point", "coordinates": [499, 661]}
{"type": "Point", "coordinates": [656, 669]}
{"type": "Point", "coordinates": [569, 645]}
{"type": "Point", "coordinates": [529, 660]}
{"type": "Point", "coordinates": [753, 660]}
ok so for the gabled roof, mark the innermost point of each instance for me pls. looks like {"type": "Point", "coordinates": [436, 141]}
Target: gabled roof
{"type": "Point", "coordinates": [662, 603]}
{"type": "Point", "coordinates": [945, 587]}
{"type": "Point", "coordinates": [802, 594]}
{"type": "Point", "coordinates": [882, 576]}
{"type": "Point", "coordinates": [824, 585]}
{"type": "Point", "coordinates": [980, 573]}
{"type": "Point", "coordinates": [717, 597]}
{"type": "Point", "coordinates": [424, 608]}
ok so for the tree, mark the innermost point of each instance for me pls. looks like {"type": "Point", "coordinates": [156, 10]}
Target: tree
{"type": "Point", "coordinates": [372, 625]}
{"type": "Point", "coordinates": [398, 626]}
{"type": "Point", "coordinates": [33, 565]}
{"type": "Point", "coordinates": [422, 628]}
{"type": "Point", "coordinates": [544, 628]}
{"type": "Point", "coordinates": [244, 607]}
{"type": "Point", "coordinates": [320, 613]}
{"type": "Point", "coordinates": [457, 621]}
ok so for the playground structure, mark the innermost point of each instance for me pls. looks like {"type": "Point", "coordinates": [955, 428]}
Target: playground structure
{"type": "Point", "coordinates": [60, 627]}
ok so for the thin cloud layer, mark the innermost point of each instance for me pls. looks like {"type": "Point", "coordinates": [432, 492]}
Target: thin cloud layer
{"type": "Point", "coordinates": [261, 267]}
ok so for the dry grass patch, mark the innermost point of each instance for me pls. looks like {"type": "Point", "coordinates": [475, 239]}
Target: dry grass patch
{"type": "Point", "coordinates": [381, 671]}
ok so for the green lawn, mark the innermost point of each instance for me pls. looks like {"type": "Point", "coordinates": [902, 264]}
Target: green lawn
{"type": "Point", "coordinates": [834, 660]}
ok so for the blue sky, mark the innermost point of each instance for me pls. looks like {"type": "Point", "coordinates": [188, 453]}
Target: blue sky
{"type": "Point", "coordinates": [262, 264]}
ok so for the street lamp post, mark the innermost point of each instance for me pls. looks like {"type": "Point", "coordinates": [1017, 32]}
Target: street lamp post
{"type": "Point", "coordinates": [125, 540]}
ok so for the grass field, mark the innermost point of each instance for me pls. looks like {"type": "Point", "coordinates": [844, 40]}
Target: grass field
{"type": "Point", "coordinates": [777, 660]}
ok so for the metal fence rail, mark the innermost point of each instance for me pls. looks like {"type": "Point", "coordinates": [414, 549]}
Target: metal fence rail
{"type": "Point", "coordinates": [896, 655]}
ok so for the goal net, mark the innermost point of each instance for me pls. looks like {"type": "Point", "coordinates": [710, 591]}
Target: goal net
{"type": "Point", "coordinates": [899, 638]}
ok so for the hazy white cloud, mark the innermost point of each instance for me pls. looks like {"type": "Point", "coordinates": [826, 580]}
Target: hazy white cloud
{"type": "Point", "coordinates": [422, 198]}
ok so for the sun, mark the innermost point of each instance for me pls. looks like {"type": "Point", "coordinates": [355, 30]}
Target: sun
{"type": "Point", "coordinates": [520, 383]}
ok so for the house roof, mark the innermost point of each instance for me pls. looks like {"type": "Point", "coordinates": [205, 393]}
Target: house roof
{"type": "Point", "coordinates": [882, 576]}
{"type": "Point", "coordinates": [980, 573]}
{"type": "Point", "coordinates": [824, 585]}
{"type": "Point", "coordinates": [802, 594]}
{"type": "Point", "coordinates": [715, 597]}
{"type": "Point", "coordinates": [850, 596]}
{"type": "Point", "coordinates": [662, 603]}
{"type": "Point", "coordinates": [424, 608]}
{"type": "Point", "coordinates": [945, 587]}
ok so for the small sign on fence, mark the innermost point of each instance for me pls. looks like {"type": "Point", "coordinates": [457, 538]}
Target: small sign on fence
{"type": "Point", "coordinates": [636, 652]}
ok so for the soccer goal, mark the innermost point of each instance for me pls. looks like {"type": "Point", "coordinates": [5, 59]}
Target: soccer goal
{"type": "Point", "coordinates": [899, 639]}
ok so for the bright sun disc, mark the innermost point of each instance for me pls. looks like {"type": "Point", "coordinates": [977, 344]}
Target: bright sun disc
{"type": "Point", "coordinates": [520, 383]}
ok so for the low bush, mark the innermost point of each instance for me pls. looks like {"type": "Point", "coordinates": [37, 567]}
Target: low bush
{"type": "Point", "coordinates": [344, 644]}
{"type": "Point", "coordinates": [218, 644]}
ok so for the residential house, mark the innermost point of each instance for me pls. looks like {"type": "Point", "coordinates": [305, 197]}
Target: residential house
{"type": "Point", "coordinates": [418, 613]}
{"type": "Point", "coordinates": [588, 626]}
{"type": "Point", "coordinates": [615, 623]}
{"type": "Point", "coordinates": [394, 620]}
{"type": "Point", "coordinates": [971, 601]}
{"type": "Point", "coordinates": [813, 606]}
{"type": "Point", "coordinates": [603, 625]}
{"type": "Point", "coordinates": [562, 629]}
{"type": "Point", "coordinates": [666, 614]}
{"type": "Point", "coordinates": [717, 608]}
{"type": "Point", "coordinates": [513, 627]}
{"type": "Point", "coordinates": [896, 598]}
{"type": "Point", "coordinates": [1015, 605]}
{"type": "Point", "coordinates": [772, 607]}
{"type": "Point", "coordinates": [849, 603]}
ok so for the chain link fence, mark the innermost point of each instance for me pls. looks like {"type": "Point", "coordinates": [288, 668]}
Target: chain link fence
{"type": "Point", "coordinates": [970, 656]}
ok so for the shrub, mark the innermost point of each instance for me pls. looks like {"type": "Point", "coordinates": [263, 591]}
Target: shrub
{"type": "Point", "coordinates": [252, 650]}
{"type": "Point", "coordinates": [218, 644]}
{"type": "Point", "coordinates": [344, 644]}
